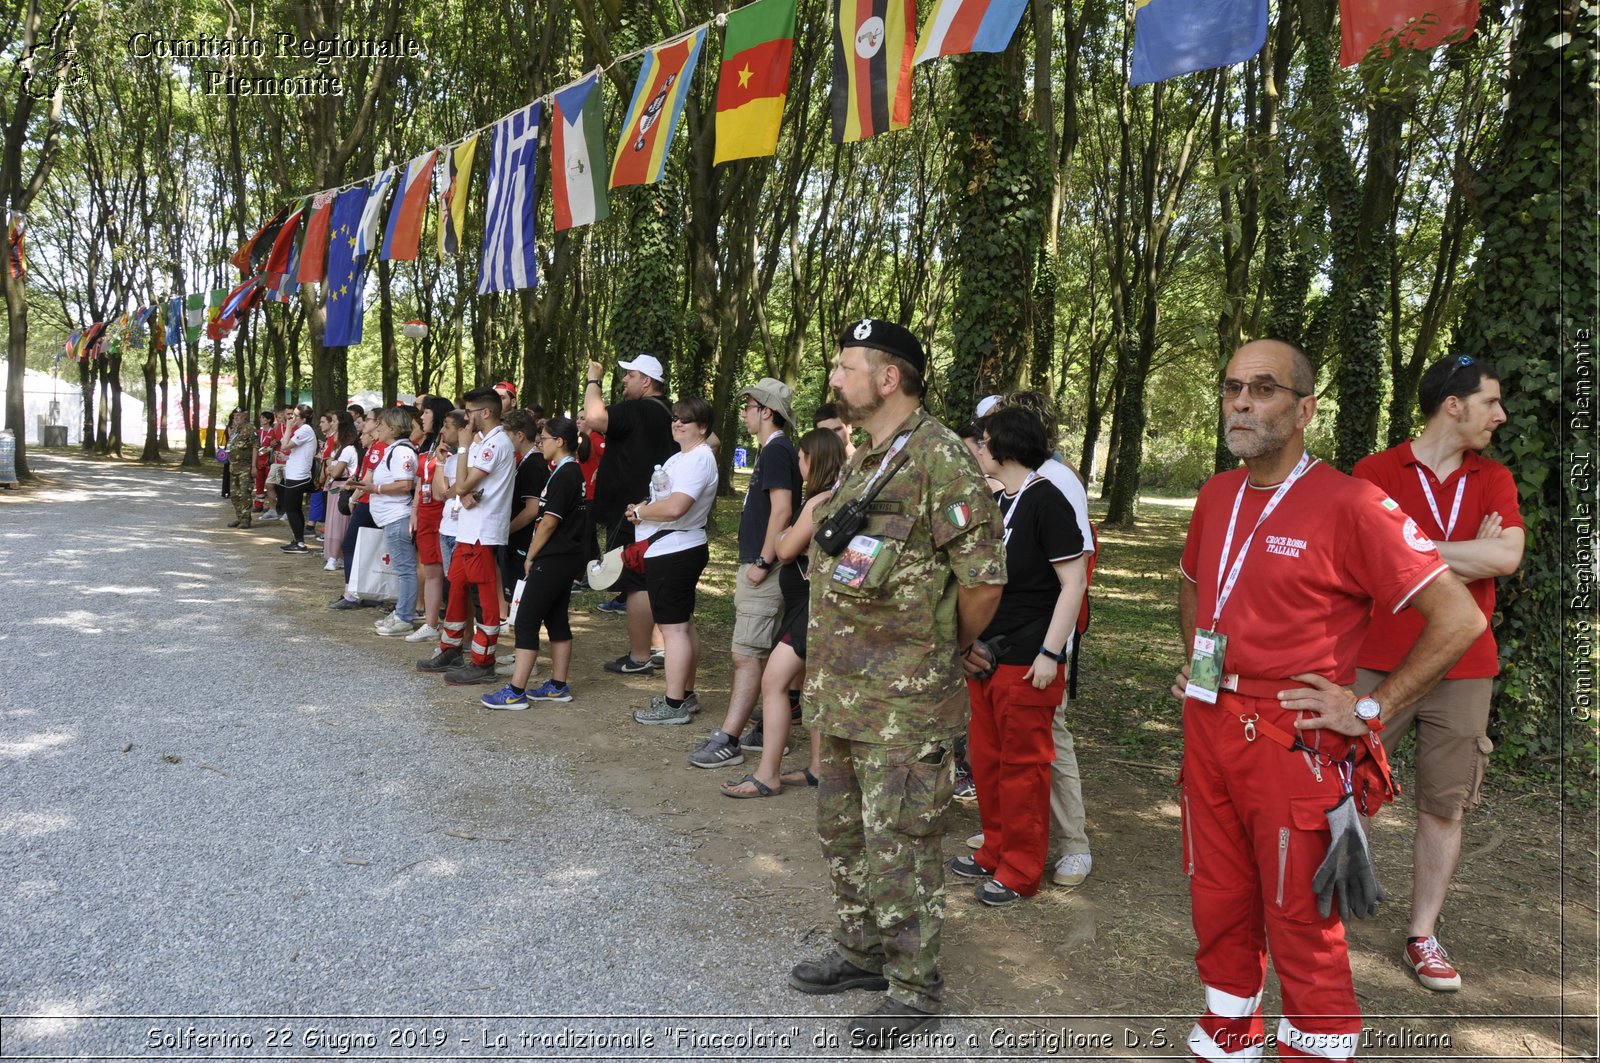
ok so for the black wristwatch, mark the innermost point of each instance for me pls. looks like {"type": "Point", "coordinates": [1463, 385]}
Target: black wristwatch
{"type": "Point", "coordinates": [762, 563]}
{"type": "Point", "coordinates": [596, 383]}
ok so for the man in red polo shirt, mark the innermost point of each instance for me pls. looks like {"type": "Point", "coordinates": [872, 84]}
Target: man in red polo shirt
{"type": "Point", "coordinates": [1467, 504]}
{"type": "Point", "coordinates": [1285, 561]}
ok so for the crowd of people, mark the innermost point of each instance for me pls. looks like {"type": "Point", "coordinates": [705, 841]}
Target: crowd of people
{"type": "Point", "coordinates": [912, 592]}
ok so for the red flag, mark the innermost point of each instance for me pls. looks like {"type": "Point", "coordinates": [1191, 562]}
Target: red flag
{"type": "Point", "coordinates": [1420, 24]}
{"type": "Point", "coordinates": [314, 248]}
{"type": "Point", "coordinates": [257, 246]}
{"type": "Point", "coordinates": [283, 246]}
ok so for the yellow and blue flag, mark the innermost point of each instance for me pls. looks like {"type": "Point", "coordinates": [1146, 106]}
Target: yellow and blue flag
{"type": "Point", "coordinates": [1172, 37]}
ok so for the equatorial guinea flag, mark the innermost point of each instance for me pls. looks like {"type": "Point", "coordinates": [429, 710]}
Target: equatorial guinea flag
{"type": "Point", "coordinates": [757, 45]}
{"type": "Point", "coordinates": [957, 27]}
{"type": "Point", "coordinates": [653, 113]}
{"type": "Point", "coordinates": [404, 231]}
{"type": "Point", "coordinates": [873, 44]}
{"type": "Point", "coordinates": [453, 194]}
{"type": "Point", "coordinates": [578, 155]}
{"type": "Point", "coordinates": [1420, 24]}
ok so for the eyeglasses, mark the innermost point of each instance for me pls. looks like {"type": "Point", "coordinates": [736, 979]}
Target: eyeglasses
{"type": "Point", "coordinates": [983, 444]}
{"type": "Point", "coordinates": [1260, 390]}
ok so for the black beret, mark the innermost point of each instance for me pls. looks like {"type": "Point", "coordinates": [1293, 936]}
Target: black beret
{"type": "Point", "coordinates": [888, 337]}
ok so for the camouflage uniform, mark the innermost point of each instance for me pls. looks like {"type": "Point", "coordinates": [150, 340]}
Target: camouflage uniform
{"type": "Point", "coordinates": [242, 471]}
{"type": "Point", "coordinates": [887, 693]}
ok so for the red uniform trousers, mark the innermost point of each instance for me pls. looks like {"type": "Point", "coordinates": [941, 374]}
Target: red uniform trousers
{"type": "Point", "coordinates": [473, 565]}
{"type": "Point", "coordinates": [1255, 830]}
{"type": "Point", "coordinates": [1011, 749]}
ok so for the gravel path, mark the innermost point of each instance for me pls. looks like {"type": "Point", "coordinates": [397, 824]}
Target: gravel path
{"type": "Point", "coordinates": [208, 811]}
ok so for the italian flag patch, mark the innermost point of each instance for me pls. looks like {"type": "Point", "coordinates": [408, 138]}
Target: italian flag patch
{"type": "Point", "coordinates": [959, 513]}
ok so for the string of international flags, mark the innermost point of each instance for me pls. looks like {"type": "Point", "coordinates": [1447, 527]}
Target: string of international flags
{"type": "Point", "coordinates": [328, 237]}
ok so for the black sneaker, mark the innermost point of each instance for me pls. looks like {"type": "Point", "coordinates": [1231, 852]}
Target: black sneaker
{"type": "Point", "coordinates": [295, 548]}
{"type": "Point", "coordinates": [715, 752]}
{"type": "Point", "coordinates": [626, 665]}
{"type": "Point", "coordinates": [470, 674]}
{"type": "Point", "coordinates": [834, 974]}
{"type": "Point", "coordinates": [342, 602]}
{"type": "Point", "coordinates": [967, 867]}
{"type": "Point", "coordinates": [442, 661]}
{"type": "Point", "coordinates": [756, 739]}
{"type": "Point", "coordinates": [997, 894]}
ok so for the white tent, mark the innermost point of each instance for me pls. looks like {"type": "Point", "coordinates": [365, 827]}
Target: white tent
{"type": "Point", "coordinates": [47, 399]}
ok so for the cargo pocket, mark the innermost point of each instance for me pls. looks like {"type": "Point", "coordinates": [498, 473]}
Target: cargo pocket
{"type": "Point", "coordinates": [1302, 845]}
{"type": "Point", "coordinates": [1480, 767]}
{"type": "Point", "coordinates": [919, 792]}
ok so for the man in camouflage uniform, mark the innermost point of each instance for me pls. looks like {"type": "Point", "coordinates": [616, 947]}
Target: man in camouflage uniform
{"type": "Point", "coordinates": [886, 691]}
{"type": "Point", "coordinates": [241, 467]}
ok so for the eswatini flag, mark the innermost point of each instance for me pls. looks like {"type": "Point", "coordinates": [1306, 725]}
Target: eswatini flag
{"type": "Point", "coordinates": [757, 44]}
{"type": "Point", "coordinates": [578, 155]}
{"type": "Point", "coordinates": [957, 27]}
{"type": "Point", "coordinates": [1420, 24]}
{"type": "Point", "coordinates": [873, 44]}
{"type": "Point", "coordinates": [658, 99]}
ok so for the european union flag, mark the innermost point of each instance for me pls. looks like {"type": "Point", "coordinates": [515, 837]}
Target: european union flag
{"type": "Point", "coordinates": [347, 273]}
{"type": "Point", "coordinates": [1172, 37]}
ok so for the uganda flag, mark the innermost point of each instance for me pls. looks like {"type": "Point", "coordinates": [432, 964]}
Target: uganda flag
{"type": "Point", "coordinates": [653, 113]}
{"type": "Point", "coordinates": [756, 47]}
{"type": "Point", "coordinates": [873, 42]}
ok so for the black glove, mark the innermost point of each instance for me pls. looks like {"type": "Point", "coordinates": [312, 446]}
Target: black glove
{"type": "Point", "coordinates": [1348, 866]}
{"type": "Point", "coordinates": [987, 653]}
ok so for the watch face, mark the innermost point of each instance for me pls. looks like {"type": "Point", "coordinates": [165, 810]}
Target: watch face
{"type": "Point", "coordinates": [1367, 709]}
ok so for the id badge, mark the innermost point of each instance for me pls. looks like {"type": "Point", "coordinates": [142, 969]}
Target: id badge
{"type": "Point", "coordinates": [1205, 666]}
{"type": "Point", "coordinates": [856, 561]}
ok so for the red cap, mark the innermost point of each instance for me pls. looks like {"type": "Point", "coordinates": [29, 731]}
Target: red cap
{"type": "Point", "coordinates": [508, 387]}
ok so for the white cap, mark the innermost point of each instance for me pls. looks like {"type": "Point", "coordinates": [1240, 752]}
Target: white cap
{"type": "Point", "coordinates": [606, 571]}
{"type": "Point", "coordinates": [987, 404]}
{"type": "Point", "coordinates": [649, 365]}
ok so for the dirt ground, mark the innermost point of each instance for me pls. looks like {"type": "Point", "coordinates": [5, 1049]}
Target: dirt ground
{"type": "Point", "coordinates": [1115, 955]}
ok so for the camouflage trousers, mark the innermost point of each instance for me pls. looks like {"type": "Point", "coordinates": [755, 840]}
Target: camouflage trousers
{"type": "Point", "coordinates": [241, 486]}
{"type": "Point", "coordinates": [880, 816]}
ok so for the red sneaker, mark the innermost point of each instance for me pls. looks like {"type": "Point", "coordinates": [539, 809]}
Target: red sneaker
{"type": "Point", "coordinates": [1434, 969]}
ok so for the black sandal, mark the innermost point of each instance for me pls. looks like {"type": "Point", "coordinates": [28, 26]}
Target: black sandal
{"type": "Point", "coordinates": [762, 789]}
{"type": "Point", "coordinates": [811, 780]}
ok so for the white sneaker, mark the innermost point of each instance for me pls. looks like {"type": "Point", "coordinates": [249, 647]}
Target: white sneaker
{"type": "Point", "coordinates": [1072, 869]}
{"type": "Point", "coordinates": [511, 666]}
{"type": "Point", "coordinates": [425, 633]}
{"type": "Point", "coordinates": [976, 841]}
{"type": "Point", "coordinates": [507, 658]}
{"type": "Point", "coordinates": [331, 565]}
{"type": "Point", "coordinates": [270, 514]}
{"type": "Point", "coordinates": [394, 626]}
{"type": "Point", "coordinates": [385, 619]}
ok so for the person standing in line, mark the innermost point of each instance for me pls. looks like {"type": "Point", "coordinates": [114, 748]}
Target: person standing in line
{"type": "Point", "coordinates": [1285, 562]}
{"type": "Point", "coordinates": [484, 473]}
{"type": "Point", "coordinates": [527, 492]}
{"type": "Point", "coordinates": [907, 570]}
{"type": "Point", "coordinates": [360, 509]}
{"type": "Point", "coordinates": [242, 447]}
{"type": "Point", "coordinates": [299, 448]}
{"type": "Point", "coordinates": [770, 504]}
{"type": "Point", "coordinates": [344, 463]}
{"type": "Point", "coordinates": [639, 437]}
{"type": "Point", "coordinates": [827, 416]}
{"type": "Point", "coordinates": [389, 490]}
{"type": "Point", "coordinates": [555, 556]}
{"type": "Point", "coordinates": [267, 434]}
{"type": "Point", "coordinates": [1467, 504]}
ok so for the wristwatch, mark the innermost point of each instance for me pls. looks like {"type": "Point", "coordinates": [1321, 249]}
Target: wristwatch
{"type": "Point", "coordinates": [762, 563]}
{"type": "Point", "coordinates": [596, 383]}
{"type": "Point", "coordinates": [1369, 712]}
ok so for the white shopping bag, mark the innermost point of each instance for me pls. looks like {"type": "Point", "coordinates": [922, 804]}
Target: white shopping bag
{"type": "Point", "coordinates": [371, 575]}
{"type": "Point", "coordinates": [516, 601]}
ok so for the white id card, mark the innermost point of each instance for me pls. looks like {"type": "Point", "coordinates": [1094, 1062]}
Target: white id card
{"type": "Point", "coordinates": [1205, 666]}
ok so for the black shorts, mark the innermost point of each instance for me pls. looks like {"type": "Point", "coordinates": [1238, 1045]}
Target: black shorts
{"type": "Point", "coordinates": [671, 580]}
{"type": "Point", "coordinates": [793, 628]}
{"type": "Point", "coordinates": [546, 599]}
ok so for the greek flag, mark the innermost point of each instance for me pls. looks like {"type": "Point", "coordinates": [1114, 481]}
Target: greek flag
{"type": "Point", "coordinates": [372, 214]}
{"type": "Point", "coordinates": [508, 251]}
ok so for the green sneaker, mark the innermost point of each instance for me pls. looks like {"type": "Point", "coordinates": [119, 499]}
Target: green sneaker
{"type": "Point", "coordinates": [659, 711]}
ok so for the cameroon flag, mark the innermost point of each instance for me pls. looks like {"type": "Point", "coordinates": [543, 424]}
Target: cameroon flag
{"type": "Point", "coordinates": [756, 47]}
{"type": "Point", "coordinates": [873, 42]}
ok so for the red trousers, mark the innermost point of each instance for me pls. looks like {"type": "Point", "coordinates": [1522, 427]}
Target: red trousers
{"type": "Point", "coordinates": [1255, 830]}
{"type": "Point", "coordinates": [1011, 749]}
{"type": "Point", "coordinates": [473, 564]}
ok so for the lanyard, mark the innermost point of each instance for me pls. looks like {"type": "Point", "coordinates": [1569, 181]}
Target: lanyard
{"type": "Point", "coordinates": [1225, 588]}
{"type": "Point", "coordinates": [1455, 509]}
{"type": "Point", "coordinates": [553, 472]}
{"type": "Point", "coordinates": [1005, 522]}
{"type": "Point", "coordinates": [896, 447]}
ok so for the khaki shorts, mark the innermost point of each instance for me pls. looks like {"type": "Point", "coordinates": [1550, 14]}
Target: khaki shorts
{"type": "Point", "coordinates": [275, 475]}
{"type": "Point", "coordinates": [758, 612]}
{"type": "Point", "coordinates": [1452, 746]}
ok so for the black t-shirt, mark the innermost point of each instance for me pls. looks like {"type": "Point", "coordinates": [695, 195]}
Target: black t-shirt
{"type": "Point", "coordinates": [1042, 530]}
{"type": "Point", "coordinates": [563, 498]}
{"type": "Point", "coordinates": [777, 468]}
{"type": "Point", "coordinates": [638, 438]}
{"type": "Point", "coordinates": [532, 472]}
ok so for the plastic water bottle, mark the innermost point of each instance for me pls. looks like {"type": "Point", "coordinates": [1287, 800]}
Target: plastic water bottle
{"type": "Point", "coordinates": [658, 484]}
